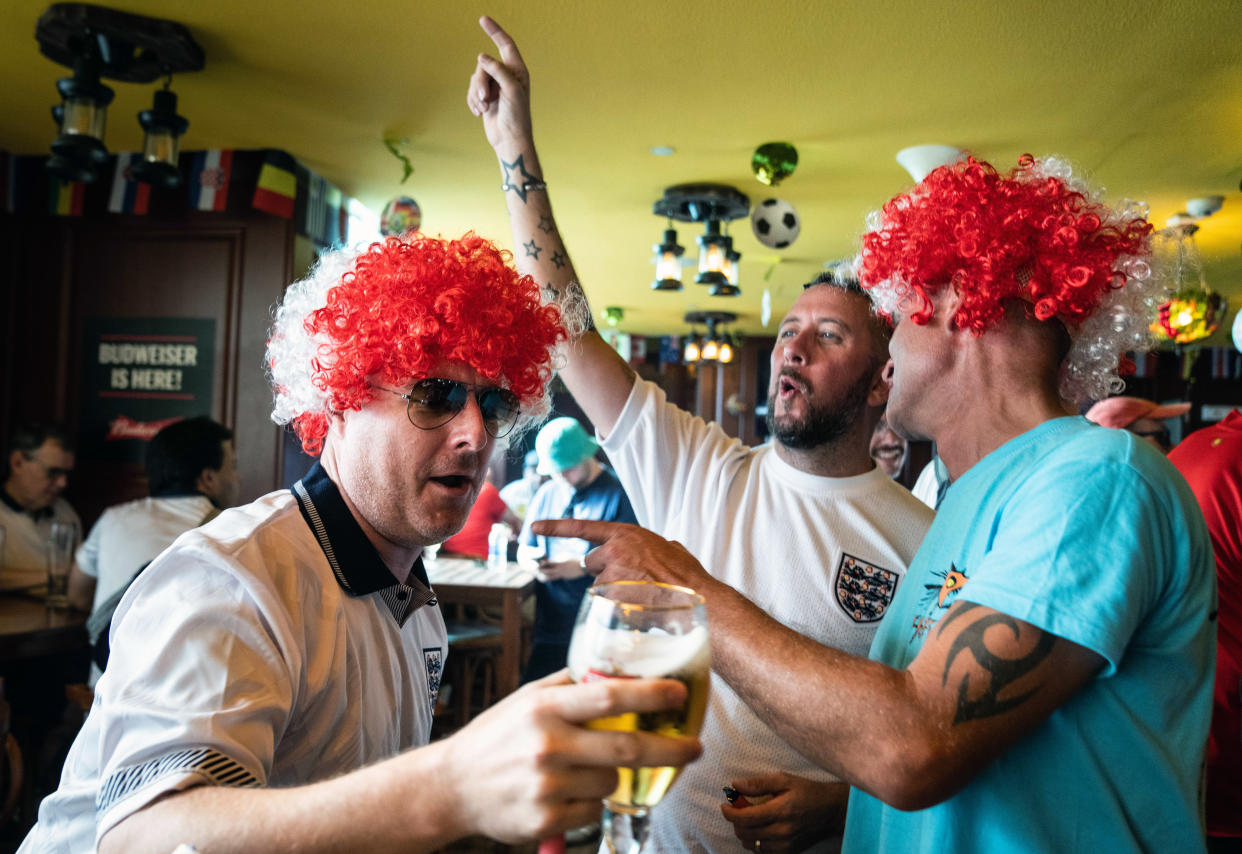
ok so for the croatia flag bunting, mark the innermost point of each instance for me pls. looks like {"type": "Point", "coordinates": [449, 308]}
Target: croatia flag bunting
{"type": "Point", "coordinates": [277, 186]}
{"type": "Point", "coordinates": [128, 195]}
{"type": "Point", "coordinates": [209, 179]}
{"type": "Point", "coordinates": [65, 197]}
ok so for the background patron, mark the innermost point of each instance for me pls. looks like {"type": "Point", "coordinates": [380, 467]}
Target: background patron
{"type": "Point", "coordinates": [40, 461]}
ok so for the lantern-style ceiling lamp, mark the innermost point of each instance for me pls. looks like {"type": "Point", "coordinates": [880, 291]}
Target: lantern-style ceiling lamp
{"type": "Point", "coordinates": [1194, 311]}
{"type": "Point", "coordinates": [716, 346]}
{"type": "Point", "coordinates": [613, 315]}
{"type": "Point", "coordinates": [729, 287]}
{"type": "Point", "coordinates": [162, 142]}
{"type": "Point", "coordinates": [668, 261]}
{"type": "Point", "coordinates": [692, 353]}
{"type": "Point", "coordinates": [711, 255]}
{"type": "Point", "coordinates": [97, 42]}
{"type": "Point", "coordinates": [78, 150]}
{"type": "Point", "coordinates": [713, 205]}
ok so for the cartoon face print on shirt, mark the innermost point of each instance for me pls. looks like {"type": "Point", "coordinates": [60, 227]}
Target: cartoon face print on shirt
{"type": "Point", "coordinates": [937, 598]}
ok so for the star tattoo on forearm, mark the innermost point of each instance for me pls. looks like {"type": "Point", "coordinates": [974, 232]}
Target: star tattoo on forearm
{"type": "Point", "coordinates": [545, 224]}
{"type": "Point", "coordinates": [558, 259]}
{"type": "Point", "coordinates": [518, 183]}
{"type": "Point", "coordinates": [532, 250]}
{"type": "Point", "coordinates": [1001, 672]}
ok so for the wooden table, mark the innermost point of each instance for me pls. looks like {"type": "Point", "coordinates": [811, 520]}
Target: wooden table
{"type": "Point", "coordinates": [29, 629]}
{"type": "Point", "coordinates": [465, 581]}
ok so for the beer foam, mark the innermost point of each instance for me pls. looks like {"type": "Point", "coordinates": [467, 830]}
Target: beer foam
{"type": "Point", "coordinates": [647, 655]}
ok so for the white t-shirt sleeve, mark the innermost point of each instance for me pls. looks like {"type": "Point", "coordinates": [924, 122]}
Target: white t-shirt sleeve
{"type": "Point", "coordinates": [198, 688]}
{"type": "Point", "coordinates": [88, 553]}
{"type": "Point", "coordinates": [657, 448]}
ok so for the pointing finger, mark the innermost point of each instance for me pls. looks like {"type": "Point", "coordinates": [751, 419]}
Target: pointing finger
{"type": "Point", "coordinates": [504, 43]}
{"type": "Point", "coordinates": [583, 529]}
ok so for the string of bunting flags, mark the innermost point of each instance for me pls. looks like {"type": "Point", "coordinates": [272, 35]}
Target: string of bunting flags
{"type": "Point", "coordinates": [268, 180]}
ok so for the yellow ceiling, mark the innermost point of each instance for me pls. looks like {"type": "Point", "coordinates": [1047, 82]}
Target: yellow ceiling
{"type": "Point", "coordinates": [1146, 96]}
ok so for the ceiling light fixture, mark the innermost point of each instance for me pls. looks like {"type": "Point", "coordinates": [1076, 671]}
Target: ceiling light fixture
{"type": "Point", "coordinates": [97, 42]}
{"type": "Point", "coordinates": [711, 255]}
{"type": "Point", "coordinates": [161, 144]}
{"type": "Point", "coordinates": [716, 346]}
{"type": "Point", "coordinates": [1194, 311]}
{"type": "Point", "coordinates": [729, 287]}
{"type": "Point", "coordinates": [714, 205]}
{"type": "Point", "coordinates": [78, 150]}
{"type": "Point", "coordinates": [692, 353]}
{"type": "Point", "coordinates": [668, 261]}
{"type": "Point", "coordinates": [921, 160]}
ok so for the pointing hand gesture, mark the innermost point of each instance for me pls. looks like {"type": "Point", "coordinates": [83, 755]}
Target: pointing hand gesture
{"type": "Point", "coordinates": [499, 91]}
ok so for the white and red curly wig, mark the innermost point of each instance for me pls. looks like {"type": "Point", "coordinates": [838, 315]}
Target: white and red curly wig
{"type": "Point", "coordinates": [1037, 234]}
{"type": "Point", "coordinates": [395, 309]}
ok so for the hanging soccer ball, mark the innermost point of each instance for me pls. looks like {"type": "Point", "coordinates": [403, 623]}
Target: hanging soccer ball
{"type": "Point", "coordinates": [400, 215]}
{"type": "Point", "coordinates": [775, 223]}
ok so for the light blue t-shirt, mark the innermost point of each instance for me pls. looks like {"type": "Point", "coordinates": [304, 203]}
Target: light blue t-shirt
{"type": "Point", "coordinates": [1091, 535]}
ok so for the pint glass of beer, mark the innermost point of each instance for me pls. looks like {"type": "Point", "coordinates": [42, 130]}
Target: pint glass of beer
{"type": "Point", "coordinates": [641, 629]}
{"type": "Point", "coordinates": [60, 546]}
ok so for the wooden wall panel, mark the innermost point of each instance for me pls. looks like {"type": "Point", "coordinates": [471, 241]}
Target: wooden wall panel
{"type": "Point", "coordinates": [231, 268]}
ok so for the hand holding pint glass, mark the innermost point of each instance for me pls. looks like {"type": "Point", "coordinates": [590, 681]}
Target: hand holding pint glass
{"type": "Point", "coordinates": [641, 629]}
{"type": "Point", "coordinates": [60, 547]}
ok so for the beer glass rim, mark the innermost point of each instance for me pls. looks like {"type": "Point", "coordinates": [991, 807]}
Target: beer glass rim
{"type": "Point", "coordinates": [695, 599]}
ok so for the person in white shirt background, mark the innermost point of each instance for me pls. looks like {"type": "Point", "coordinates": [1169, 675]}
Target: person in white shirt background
{"type": "Point", "coordinates": [191, 469]}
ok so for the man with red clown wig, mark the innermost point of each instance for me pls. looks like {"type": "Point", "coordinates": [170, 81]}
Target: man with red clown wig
{"type": "Point", "coordinates": [1042, 680]}
{"type": "Point", "coordinates": [269, 669]}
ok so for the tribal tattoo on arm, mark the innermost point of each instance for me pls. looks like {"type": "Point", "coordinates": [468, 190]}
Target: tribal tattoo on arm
{"type": "Point", "coordinates": [1001, 672]}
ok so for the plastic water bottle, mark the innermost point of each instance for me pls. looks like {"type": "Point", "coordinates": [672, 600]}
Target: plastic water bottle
{"type": "Point", "coordinates": [498, 546]}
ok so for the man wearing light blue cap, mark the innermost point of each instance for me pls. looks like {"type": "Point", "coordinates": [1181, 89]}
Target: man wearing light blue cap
{"type": "Point", "coordinates": [580, 488]}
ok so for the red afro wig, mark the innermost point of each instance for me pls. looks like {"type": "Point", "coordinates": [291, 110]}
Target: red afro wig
{"type": "Point", "coordinates": [1032, 234]}
{"type": "Point", "coordinates": [397, 310]}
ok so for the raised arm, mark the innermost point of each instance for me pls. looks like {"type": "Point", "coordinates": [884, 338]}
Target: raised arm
{"type": "Point", "coordinates": [911, 737]}
{"type": "Point", "coordinates": [499, 94]}
{"type": "Point", "coordinates": [522, 770]}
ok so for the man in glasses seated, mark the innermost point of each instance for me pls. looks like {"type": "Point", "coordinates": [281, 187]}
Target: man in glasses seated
{"type": "Point", "coordinates": [807, 525]}
{"type": "Point", "coordinates": [39, 461]}
{"type": "Point", "coordinates": [270, 667]}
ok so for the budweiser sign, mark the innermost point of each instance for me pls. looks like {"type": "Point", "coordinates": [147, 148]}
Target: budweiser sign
{"type": "Point", "coordinates": [124, 427]}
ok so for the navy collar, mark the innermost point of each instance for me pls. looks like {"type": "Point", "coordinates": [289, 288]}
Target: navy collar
{"type": "Point", "coordinates": [42, 513]}
{"type": "Point", "coordinates": [354, 560]}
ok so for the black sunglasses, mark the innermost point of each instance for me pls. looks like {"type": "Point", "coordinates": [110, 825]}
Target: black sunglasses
{"type": "Point", "coordinates": [434, 402]}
